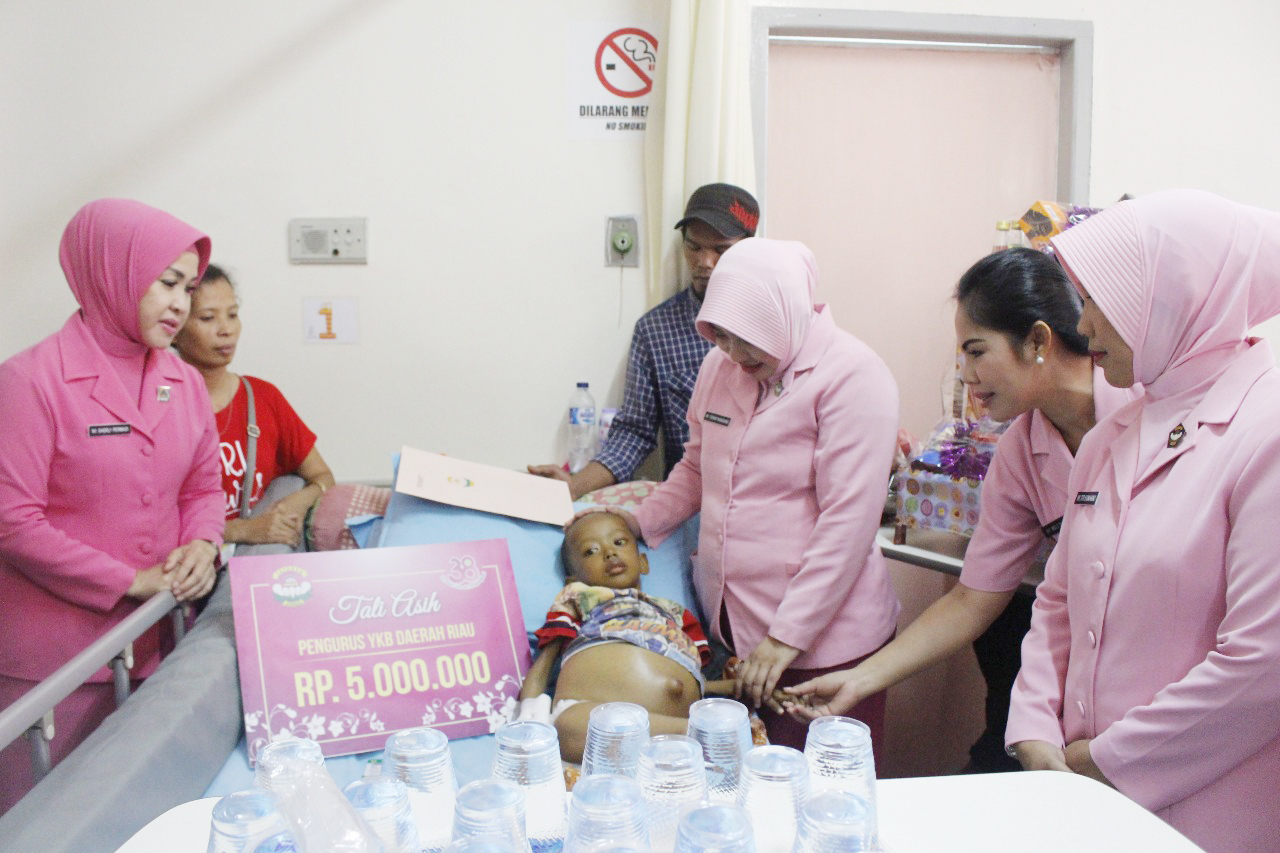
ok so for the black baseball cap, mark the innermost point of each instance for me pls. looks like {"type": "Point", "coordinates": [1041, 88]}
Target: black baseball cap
{"type": "Point", "coordinates": [730, 210]}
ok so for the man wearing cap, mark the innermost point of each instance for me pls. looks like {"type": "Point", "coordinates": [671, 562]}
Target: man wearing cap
{"type": "Point", "coordinates": [666, 349]}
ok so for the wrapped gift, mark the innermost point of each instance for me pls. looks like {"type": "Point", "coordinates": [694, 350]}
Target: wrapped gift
{"type": "Point", "coordinates": [941, 487]}
{"type": "Point", "coordinates": [928, 500]}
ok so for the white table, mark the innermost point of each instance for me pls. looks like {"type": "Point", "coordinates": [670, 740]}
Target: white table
{"type": "Point", "coordinates": [1042, 811]}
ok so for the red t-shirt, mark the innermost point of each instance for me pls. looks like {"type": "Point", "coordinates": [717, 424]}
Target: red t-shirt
{"type": "Point", "coordinates": [283, 443]}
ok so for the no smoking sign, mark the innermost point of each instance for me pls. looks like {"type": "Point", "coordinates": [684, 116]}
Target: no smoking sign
{"type": "Point", "coordinates": [625, 62]}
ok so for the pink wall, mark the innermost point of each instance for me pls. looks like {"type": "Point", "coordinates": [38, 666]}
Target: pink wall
{"type": "Point", "coordinates": [893, 165]}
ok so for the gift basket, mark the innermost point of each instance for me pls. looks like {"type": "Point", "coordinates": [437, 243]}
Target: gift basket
{"type": "Point", "coordinates": [939, 487]}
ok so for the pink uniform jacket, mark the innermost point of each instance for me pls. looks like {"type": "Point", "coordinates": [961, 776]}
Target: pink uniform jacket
{"type": "Point", "coordinates": [92, 489]}
{"type": "Point", "coordinates": [1157, 629]}
{"type": "Point", "coordinates": [791, 496]}
{"type": "Point", "coordinates": [108, 449]}
{"type": "Point", "coordinates": [1025, 489]}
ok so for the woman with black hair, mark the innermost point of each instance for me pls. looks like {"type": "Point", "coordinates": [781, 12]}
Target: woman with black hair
{"type": "Point", "coordinates": [1016, 315]}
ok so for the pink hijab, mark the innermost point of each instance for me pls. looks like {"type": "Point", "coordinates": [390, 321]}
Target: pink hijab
{"type": "Point", "coordinates": [1182, 275]}
{"type": "Point", "coordinates": [112, 251]}
{"type": "Point", "coordinates": [762, 291]}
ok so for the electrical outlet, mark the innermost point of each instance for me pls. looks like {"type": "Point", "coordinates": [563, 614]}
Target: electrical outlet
{"type": "Point", "coordinates": [327, 241]}
{"type": "Point", "coordinates": [621, 237]}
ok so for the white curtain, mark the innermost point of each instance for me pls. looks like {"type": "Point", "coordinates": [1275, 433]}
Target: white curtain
{"type": "Point", "coordinates": [699, 129]}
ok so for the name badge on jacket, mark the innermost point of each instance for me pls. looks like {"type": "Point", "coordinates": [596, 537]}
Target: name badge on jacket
{"type": "Point", "coordinates": [96, 430]}
{"type": "Point", "coordinates": [723, 420]}
{"type": "Point", "coordinates": [1087, 498]}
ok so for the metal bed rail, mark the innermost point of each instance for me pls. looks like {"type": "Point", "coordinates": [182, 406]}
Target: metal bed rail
{"type": "Point", "coordinates": [32, 714]}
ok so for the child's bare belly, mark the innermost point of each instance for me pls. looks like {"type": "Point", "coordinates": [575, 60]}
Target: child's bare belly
{"type": "Point", "coordinates": [621, 672]}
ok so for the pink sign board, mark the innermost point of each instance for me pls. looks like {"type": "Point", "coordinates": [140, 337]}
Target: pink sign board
{"type": "Point", "coordinates": [346, 647]}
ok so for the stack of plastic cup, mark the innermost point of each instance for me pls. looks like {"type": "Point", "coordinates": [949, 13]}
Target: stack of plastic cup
{"type": "Point", "coordinates": [383, 802]}
{"type": "Point", "coordinates": [774, 786]}
{"type": "Point", "coordinates": [840, 759]}
{"type": "Point", "coordinates": [716, 829]}
{"type": "Point", "coordinates": [606, 808]}
{"type": "Point", "coordinates": [834, 822]}
{"type": "Point", "coordinates": [249, 821]}
{"type": "Point", "coordinates": [673, 778]}
{"type": "Point", "coordinates": [482, 844]}
{"type": "Point", "coordinates": [723, 728]}
{"type": "Point", "coordinates": [528, 754]}
{"type": "Point", "coordinates": [276, 767]}
{"type": "Point", "coordinates": [420, 758]}
{"type": "Point", "coordinates": [491, 807]}
{"type": "Point", "coordinates": [615, 733]}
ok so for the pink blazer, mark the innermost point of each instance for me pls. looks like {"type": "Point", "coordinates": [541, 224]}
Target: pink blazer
{"type": "Point", "coordinates": [1025, 489]}
{"type": "Point", "coordinates": [791, 495]}
{"type": "Point", "coordinates": [91, 490]}
{"type": "Point", "coordinates": [1157, 629]}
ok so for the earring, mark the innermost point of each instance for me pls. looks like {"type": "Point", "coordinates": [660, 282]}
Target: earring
{"type": "Point", "coordinates": [1039, 359]}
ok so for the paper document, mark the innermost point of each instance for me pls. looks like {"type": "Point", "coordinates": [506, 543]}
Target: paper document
{"type": "Point", "coordinates": [458, 482]}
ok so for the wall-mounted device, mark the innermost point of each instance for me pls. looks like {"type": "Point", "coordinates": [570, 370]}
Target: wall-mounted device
{"type": "Point", "coordinates": [328, 241]}
{"type": "Point", "coordinates": [620, 242]}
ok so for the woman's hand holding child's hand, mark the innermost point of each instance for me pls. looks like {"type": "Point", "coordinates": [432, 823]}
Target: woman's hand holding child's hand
{"type": "Point", "coordinates": [759, 673]}
{"type": "Point", "coordinates": [833, 694]}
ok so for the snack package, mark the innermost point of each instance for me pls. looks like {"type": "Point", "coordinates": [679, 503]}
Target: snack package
{"type": "Point", "coordinates": [1045, 219]}
{"type": "Point", "coordinates": [1048, 219]}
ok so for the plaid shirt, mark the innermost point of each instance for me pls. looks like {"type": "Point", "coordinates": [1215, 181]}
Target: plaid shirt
{"type": "Point", "coordinates": [666, 353]}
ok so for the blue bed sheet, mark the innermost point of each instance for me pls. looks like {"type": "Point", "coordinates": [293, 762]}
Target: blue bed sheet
{"type": "Point", "coordinates": [535, 559]}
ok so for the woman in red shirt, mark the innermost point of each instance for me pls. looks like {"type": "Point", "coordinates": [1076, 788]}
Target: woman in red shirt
{"type": "Point", "coordinates": [284, 444]}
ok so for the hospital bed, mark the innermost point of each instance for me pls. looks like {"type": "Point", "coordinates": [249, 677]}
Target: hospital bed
{"type": "Point", "coordinates": [179, 737]}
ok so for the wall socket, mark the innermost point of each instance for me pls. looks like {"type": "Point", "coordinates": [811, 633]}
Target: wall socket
{"type": "Point", "coordinates": [621, 239]}
{"type": "Point", "coordinates": [328, 241]}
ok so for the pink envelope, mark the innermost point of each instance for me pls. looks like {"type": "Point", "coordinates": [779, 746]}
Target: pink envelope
{"type": "Point", "coordinates": [458, 482]}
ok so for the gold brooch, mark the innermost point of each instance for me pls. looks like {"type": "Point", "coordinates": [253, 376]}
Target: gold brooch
{"type": "Point", "coordinates": [1176, 435]}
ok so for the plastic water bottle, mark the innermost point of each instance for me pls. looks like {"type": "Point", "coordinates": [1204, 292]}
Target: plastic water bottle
{"type": "Point", "coordinates": [582, 428]}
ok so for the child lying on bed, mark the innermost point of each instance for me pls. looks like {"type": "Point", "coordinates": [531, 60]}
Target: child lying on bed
{"type": "Point", "coordinates": [618, 644]}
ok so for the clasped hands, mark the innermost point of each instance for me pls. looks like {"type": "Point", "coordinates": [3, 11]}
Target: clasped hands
{"type": "Point", "coordinates": [1076, 758]}
{"type": "Point", "coordinates": [188, 572]}
{"type": "Point", "coordinates": [278, 524]}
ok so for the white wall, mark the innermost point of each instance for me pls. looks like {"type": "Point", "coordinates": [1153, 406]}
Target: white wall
{"type": "Point", "coordinates": [485, 297]}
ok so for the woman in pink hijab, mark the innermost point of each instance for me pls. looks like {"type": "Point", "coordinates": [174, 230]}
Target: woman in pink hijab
{"type": "Point", "coordinates": [792, 424]}
{"type": "Point", "coordinates": [109, 488]}
{"type": "Point", "coordinates": [1153, 660]}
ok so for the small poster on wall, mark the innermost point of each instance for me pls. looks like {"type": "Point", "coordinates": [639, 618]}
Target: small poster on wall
{"type": "Point", "coordinates": [330, 321]}
{"type": "Point", "coordinates": [611, 73]}
{"type": "Point", "coordinates": [346, 647]}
